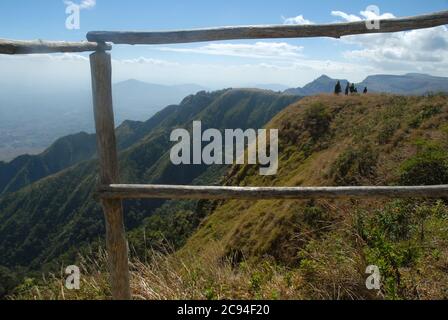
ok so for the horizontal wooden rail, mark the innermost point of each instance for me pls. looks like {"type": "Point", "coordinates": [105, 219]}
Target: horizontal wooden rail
{"type": "Point", "coordinates": [335, 30]}
{"type": "Point", "coordinates": [40, 46]}
{"type": "Point", "coordinates": [129, 191]}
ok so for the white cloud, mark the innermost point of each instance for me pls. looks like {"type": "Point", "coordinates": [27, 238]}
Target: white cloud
{"type": "Point", "coordinates": [365, 15]}
{"type": "Point", "coordinates": [68, 57]}
{"type": "Point", "coordinates": [424, 50]}
{"type": "Point", "coordinates": [147, 61]}
{"type": "Point", "coordinates": [345, 16]}
{"type": "Point", "coordinates": [276, 50]}
{"type": "Point", "coordinates": [72, 70]}
{"type": "Point", "coordinates": [299, 20]}
{"type": "Point", "coordinates": [370, 15]}
{"type": "Point", "coordinates": [85, 4]}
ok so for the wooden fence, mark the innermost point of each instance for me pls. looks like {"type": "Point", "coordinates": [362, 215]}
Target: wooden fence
{"type": "Point", "coordinates": [112, 193]}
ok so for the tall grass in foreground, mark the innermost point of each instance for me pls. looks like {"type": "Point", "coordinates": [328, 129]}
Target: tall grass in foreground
{"type": "Point", "coordinates": [171, 277]}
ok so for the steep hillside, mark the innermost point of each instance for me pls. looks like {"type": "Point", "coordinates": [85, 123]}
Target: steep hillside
{"type": "Point", "coordinates": [359, 140]}
{"type": "Point", "coordinates": [64, 153]}
{"type": "Point", "coordinates": [31, 118]}
{"type": "Point", "coordinates": [57, 215]}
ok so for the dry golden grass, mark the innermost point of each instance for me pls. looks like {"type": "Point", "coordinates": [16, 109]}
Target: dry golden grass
{"type": "Point", "coordinates": [170, 277]}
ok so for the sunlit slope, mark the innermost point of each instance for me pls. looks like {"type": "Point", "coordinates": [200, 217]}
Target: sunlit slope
{"type": "Point", "coordinates": [373, 139]}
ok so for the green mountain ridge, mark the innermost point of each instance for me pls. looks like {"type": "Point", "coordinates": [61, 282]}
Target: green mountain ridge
{"type": "Point", "coordinates": [68, 151]}
{"type": "Point", "coordinates": [64, 153]}
{"type": "Point", "coordinates": [56, 216]}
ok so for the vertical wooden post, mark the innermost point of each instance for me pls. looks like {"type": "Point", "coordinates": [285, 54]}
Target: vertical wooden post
{"type": "Point", "coordinates": [116, 243]}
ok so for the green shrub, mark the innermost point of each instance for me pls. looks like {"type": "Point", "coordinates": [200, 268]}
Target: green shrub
{"type": "Point", "coordinates": [8, 281]}
{"type": "Point", "coordinates": [395, 220]}
{"type": "Point", "coordinates": [317, 120]}
{"type": "Point", "coordinates": [388, 234]}
{"type": "Point", "coordinates": [427, 112]}
{"type": "Point", "coordinates": [316, 217]}
{"type": "Point", "coordinates": [390, 257]}
{"type": "Point", "coordinates": [388, 130]}
{"type": "Point", "coordinates": [428, 167]}
{"type": "Point", "coordinates": [395, 241]}
{"type": "Point", "coordinates": [354, 164]}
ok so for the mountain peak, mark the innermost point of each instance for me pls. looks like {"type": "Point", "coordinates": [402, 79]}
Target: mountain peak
{"type": "Point", "coordinates": [130, 81]}
{"type": "Point", "coordinates": [323, 77]}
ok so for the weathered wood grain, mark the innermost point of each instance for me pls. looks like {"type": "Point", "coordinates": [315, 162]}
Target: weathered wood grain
{"type": "Point", "coordinates": [41, 46]}
{"type": "Point", "coordinates": [335, 30]}
{"type": "Point", "coordinates": [116, 243]}
{"type": "Point", "coordinates": [124, 191]}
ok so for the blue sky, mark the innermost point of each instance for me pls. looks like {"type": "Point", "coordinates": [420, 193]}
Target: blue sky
{"type": "Point", "coordinates": [231, 63]}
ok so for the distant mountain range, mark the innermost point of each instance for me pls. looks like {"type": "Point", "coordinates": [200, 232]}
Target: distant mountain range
{"type": "Point", "coordinates": [411, 83]}
{"type": "Point", "coordinates": [408, 84]}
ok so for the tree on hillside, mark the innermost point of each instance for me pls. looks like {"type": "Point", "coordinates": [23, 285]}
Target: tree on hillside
{"type": "Point", "coordinates": [365, 90]}
{"type": "Point", "coordinates": [338, 88]}
{"type": "Point", "coordinates": [352, 88]}
{"type": "Point", "coordinates": [8, 281]}
{"type": "Point", "coordinates": [347, 88]}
